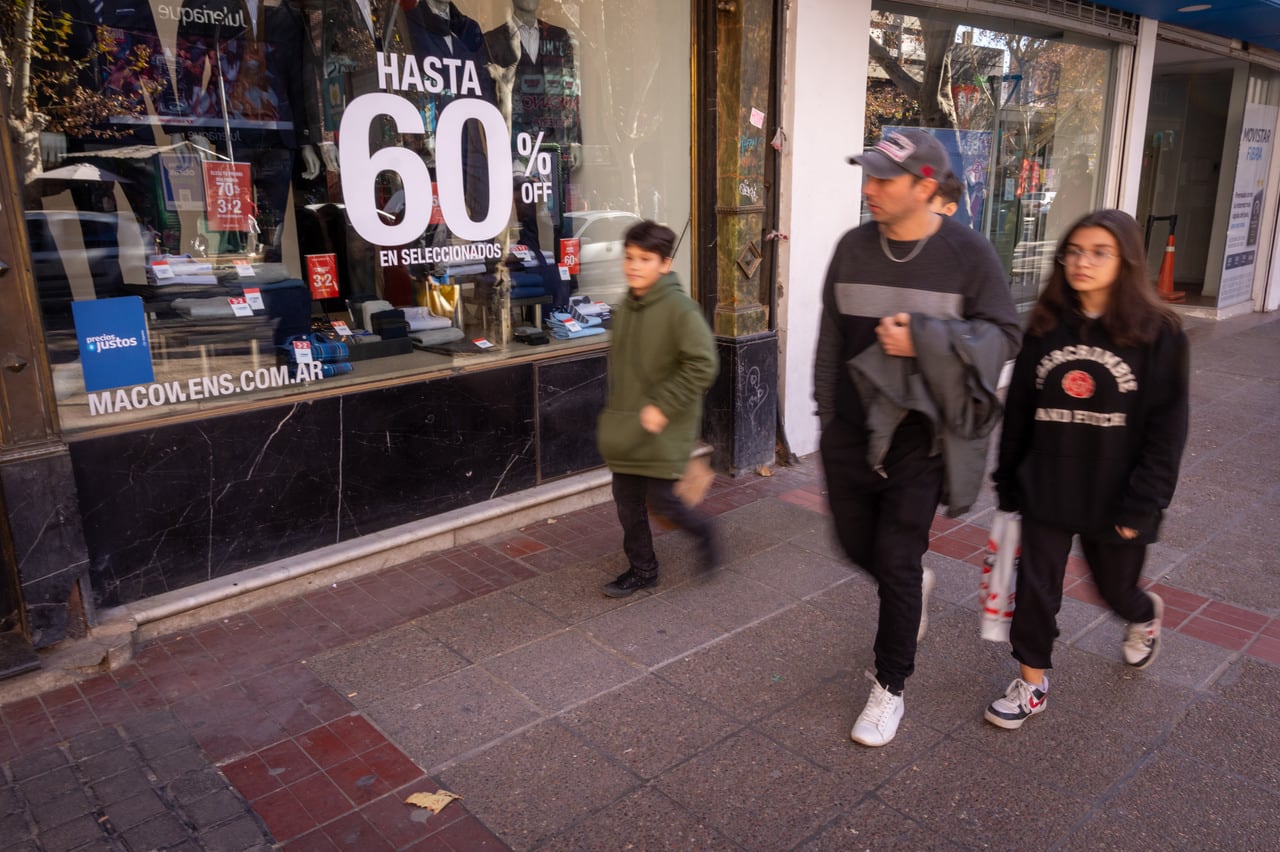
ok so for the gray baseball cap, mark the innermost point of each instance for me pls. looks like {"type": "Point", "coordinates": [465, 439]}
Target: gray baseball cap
{"type": "Point", "coordinates": [912, 151]}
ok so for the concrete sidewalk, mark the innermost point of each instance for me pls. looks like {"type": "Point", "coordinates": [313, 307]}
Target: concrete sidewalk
{"type": "Point", "coordinates": [712, 712]}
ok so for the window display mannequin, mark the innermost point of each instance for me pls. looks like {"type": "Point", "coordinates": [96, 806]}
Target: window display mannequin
{"type": "Point", "coordinates": [242, 70]}
{"type": "Point", "coordinates": [539, 73]}
{"type": "Point", "coordinates": [546, 86]}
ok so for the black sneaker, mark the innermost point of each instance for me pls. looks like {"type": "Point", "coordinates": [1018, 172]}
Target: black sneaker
{"type": "Point", "coordinates": [710, 553]}
{"type": "Point", "coordinates": [629, 583]}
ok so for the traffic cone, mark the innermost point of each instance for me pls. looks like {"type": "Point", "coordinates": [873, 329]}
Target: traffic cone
{"type": "Point", "coordinates": [1165, 282]}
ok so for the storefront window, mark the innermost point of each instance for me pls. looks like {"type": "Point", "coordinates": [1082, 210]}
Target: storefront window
{"type": "Point", "coordinates": [231, 200]}
{"type": "Point", "coordinates": [1022, 108]}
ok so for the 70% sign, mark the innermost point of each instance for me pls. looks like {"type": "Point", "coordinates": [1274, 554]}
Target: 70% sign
{"type": "Point", "coordinates": [531, 149]}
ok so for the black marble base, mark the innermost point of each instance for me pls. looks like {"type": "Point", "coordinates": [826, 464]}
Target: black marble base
{"type": "Point", "coordinates": [171, 506]}
{"type": "Point", "coordinates": [16, 655]}
{"type": "Point", "coordinates": [741, 410]}
{"type": "Point", "coordinates": [48, 544]}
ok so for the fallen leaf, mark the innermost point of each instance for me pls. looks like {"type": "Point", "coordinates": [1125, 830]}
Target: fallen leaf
{"type": "Point", "coordinates": [763, 470]}
{"type": "Point", "coordinates": [434, 802]}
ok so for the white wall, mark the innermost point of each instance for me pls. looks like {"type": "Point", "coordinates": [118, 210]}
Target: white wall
{"type": "Point", "coordinates": [824, 92]}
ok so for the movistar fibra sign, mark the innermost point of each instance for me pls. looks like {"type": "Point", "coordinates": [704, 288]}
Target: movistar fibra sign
{"type": "Point", "coordinates": [114, 348]}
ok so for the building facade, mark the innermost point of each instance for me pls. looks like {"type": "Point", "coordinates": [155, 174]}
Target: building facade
{"type": "Point", "coordinates": [1049, 109]}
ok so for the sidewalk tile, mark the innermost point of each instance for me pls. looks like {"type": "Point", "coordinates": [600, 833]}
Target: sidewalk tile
{"type": "Point", "coordinates": [1235, 616]}
{"type": "Point", "coordinates": [1265, 648]}
{"type": "Point", "coordinates": [756, 793]}
{"type": "Point", "coordinates": [561, 669]}
{"type": "Point", "coordinates": [353, 832]}
{"type": "Point", "coordinates": [1232, 638]}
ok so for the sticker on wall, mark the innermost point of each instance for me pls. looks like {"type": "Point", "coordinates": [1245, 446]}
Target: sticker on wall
{"type": "Point", "coordinates": [115, 350]}
{"type": "Point", "coordinates": [757, 118]}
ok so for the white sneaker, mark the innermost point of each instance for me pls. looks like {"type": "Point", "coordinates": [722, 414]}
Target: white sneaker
{"type": "Point", "coordinates": [879, 720]}
{"type": "Point", "coordinates": [1020, 702]}
{"type": "Point", "coordinates": [927, 582]}
{"type": "Point", "coordinates": [1142, 639]}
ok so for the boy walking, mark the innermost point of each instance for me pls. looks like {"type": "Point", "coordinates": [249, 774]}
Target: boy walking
{"type": "Point", "coordinates": [661, 361]}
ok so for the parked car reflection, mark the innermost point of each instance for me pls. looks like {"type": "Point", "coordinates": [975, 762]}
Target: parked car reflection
{"type": "Point", "coordinates": [78, 255]}
{"type": "Point", "coordinates": [601, 234]}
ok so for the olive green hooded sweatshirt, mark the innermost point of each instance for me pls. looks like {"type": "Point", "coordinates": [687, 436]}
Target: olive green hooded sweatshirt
{"type": "Point", "coordinates": [662, 353]}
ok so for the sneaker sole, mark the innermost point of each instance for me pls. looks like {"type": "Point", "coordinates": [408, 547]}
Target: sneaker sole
{"type": "Point", "coordinates": [1158, 603]}
{"type": "Point", "coordinates": [1007, 724]}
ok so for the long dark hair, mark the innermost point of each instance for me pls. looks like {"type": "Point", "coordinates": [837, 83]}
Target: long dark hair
{"type": "Point", "coordinates": [1134, 314]}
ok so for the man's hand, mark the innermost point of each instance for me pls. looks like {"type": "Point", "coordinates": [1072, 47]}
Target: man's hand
{"type": "Point", "coordinates": [652, 419]}
{"type": "Point", "coordinates": [895, 335]}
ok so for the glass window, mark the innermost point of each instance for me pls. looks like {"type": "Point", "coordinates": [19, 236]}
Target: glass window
{"type": "Point", "coordinates": [1021, 107]}
{"type": "Point", "coordinates": [254, 199]}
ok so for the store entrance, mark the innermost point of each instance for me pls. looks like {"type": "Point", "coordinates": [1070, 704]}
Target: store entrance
{"type": "Point", "coordinates": [1183, 166]}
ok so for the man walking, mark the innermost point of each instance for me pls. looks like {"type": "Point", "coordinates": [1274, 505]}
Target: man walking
{"type": "Point", "coordinates": [894, 281]}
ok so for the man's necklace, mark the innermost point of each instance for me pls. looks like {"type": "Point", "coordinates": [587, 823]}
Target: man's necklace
{"type": "Point", "coordinates": [884, 247]}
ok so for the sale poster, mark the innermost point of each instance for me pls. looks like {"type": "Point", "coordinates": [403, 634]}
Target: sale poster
{"type": "Point", "coordinates": [322, 273]}
{"type": "Point", "coordinates": [228, 196]}
{"type": "Point", "coordinates": [570, 254]}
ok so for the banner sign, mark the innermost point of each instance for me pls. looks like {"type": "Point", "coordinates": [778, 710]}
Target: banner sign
{"type": "Point", "coordinates": [1241, 254]}
{"type": "Point", "coordinates": [228, 196]}
{"type": "Point", "coordinates": [322, 273]}
{"type": "Point", "coordinates": [114, 348]}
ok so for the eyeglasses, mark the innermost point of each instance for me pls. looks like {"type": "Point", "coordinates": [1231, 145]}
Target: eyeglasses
{"type": "Point", "coordinates": [1097, 257]}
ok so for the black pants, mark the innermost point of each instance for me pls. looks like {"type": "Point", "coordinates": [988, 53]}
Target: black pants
{"type": "Point", "coordinates": [633, 495]}
{"type": "Point", "coordinates": [883, 525]}
{"type": "Point", "coordinates": [1116, 566]}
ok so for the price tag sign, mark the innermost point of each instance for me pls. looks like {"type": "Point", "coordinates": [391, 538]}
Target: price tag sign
{"type": "Point", "coordinates": [240, 306]}
{"type": "Point", "coordinates": [341, 328]}
{"type": "Point", "coordinates": [162, 269]}
{"type": "Point", "coordinates": [253, 296]}
{"type": "Point", "coordinates": [482, 343]}
{"type": "Point", "coordinates": [244, 269]}
{"type": "Point", "coordinates": [564, 272]}
{"type": "Point", "coordinates": [228, 196]}
{"type": "Point", "coordinates": [302, 352]}
{"type": "Point", "coordinates": [570, 254]}
{"type": "Point", "coordinates": [572, 325]}
{"type": "Point", "coordinates": [322, 273]}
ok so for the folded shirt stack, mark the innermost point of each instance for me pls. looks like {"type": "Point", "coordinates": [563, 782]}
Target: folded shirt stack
{"type": "Point", "coordinates": [565, 326]}
{"type": "Point", "coordinates": [584, 308]}
{"type": "Point", "coordinates": [421, 319]}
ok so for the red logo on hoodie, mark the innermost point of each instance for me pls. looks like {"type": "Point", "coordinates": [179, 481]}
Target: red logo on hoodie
{"type": "Point", "coordinates": [1078, 384]}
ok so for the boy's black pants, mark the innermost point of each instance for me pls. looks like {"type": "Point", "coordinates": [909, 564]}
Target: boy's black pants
{"type": "Point", "coordinates": [633, 495]}
{"type": "Point", "coordinates": [883, 524]}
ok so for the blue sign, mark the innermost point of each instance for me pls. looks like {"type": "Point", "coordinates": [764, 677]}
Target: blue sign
{"type": "Point", "coordinates": [115, 351]}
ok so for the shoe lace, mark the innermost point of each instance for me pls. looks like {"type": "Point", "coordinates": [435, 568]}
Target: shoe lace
{"type": "Point", "coordinates": [880, 705]}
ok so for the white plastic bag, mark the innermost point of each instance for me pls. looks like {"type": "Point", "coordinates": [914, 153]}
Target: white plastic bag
{"type": "Point", "coordinates": [999, 577]}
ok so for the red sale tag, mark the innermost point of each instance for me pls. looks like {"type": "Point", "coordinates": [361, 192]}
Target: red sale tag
{"type": "Point", "coordinates": [322, 272]}
{"type": "Point", "coordinates": [228, 196]}
{"type": "Point", "coordinates": [302, 352]}
{"type": "Point", "coordinates": [569, 254]}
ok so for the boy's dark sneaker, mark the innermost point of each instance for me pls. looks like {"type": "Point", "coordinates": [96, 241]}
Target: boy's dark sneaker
{"type": "Point", "coordinates": [1019, 702]}
{"type": "Point", "coordinates": [629, 583]}
{"type": "Point", "coordinates": [710, 553]}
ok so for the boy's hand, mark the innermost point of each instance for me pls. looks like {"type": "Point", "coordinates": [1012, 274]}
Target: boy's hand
{"type": "Point", "coordinates": [895, 335]}
{"type": "Point", "coordinates": [652, 419]}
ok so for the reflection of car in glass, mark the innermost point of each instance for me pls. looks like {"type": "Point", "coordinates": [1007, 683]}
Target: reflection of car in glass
{"type": "Point", "coordinates": [1038, 203]}
{"type": "Point", "coordinates": [83, 255]}
{"type": "Point", "coordinates": [600, 234]}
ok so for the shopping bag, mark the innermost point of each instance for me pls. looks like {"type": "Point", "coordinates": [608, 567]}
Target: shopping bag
{"type": "Point", "coordinates": [999, 577]}
{"type": "Point", "coordinates": [692, 486]}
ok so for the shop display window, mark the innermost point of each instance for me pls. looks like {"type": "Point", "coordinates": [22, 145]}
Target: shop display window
{"type": "Point", "coordinates": [1023, 110]}
{"type": "Point", "coordinates": [240, 200]}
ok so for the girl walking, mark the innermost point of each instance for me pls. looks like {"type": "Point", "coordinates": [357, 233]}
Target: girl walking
{"type": "Point", "coordinates": [1094, 427]}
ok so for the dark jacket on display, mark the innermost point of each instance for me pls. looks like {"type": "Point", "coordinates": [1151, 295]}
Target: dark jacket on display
{"type": "Point", "coordinates": [951, 381]}
{"type": "Point", "coordinates": [662, 353]}
{"type": "Point", "coordinates": [1094, 432]}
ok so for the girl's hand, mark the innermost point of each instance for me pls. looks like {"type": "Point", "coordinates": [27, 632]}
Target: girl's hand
{"type": "Point", "coordinates": [1126, 533]}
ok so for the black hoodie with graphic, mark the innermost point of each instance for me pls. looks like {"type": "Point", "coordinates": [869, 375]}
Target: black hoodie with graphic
{"type": "Point", "coordinates": [1094, 432]}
